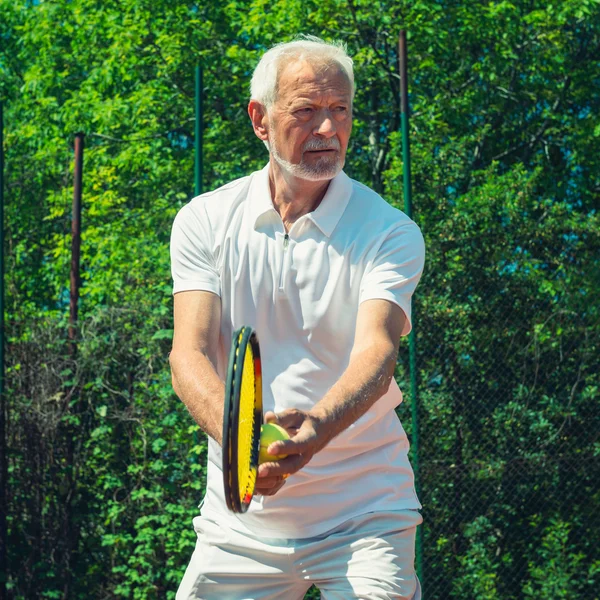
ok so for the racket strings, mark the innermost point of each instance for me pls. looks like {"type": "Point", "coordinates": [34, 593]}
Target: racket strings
{"type": "Point", "coordinates": [247, 464]}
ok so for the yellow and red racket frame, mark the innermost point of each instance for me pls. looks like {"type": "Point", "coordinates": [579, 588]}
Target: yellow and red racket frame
{"type": "Point", "coordinates": [237, 499]}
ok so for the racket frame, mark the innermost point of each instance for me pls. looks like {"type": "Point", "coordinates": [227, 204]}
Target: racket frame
{"type": "Point", "coordinates": [241, 339]}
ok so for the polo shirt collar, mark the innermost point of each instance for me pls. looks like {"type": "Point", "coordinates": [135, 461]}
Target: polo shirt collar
{"type": "Point", "coordinates": [325, 217]}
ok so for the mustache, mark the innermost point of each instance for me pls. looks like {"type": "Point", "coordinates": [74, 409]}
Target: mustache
{"type": "Point", "coordinates": [332, 144]}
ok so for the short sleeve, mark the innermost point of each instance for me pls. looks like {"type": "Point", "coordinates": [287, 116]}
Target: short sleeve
{"type": "Point", "coordinates": [394, 270]}
{"type": "Point", "coordinates": [192, 261]}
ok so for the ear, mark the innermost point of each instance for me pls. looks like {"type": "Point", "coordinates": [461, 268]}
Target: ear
{"type": "Point", "coordinates": [260, 120]}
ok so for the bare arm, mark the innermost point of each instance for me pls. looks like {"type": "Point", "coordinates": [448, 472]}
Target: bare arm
{"type": "Point", "coordinates": [193, 368]}
{"type": "Point", "coordinates": [370, 370]}
{"type": "Point", "coordinates": [367, 377]}
{"type": "Point", "coordinates": [197, 319]}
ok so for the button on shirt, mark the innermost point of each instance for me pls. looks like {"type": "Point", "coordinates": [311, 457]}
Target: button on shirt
{"type": "Point", "coordinates": [301, 293]}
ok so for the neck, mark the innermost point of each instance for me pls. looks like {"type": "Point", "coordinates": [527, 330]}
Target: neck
{"type": "Point", "coordinates": [293, 197]}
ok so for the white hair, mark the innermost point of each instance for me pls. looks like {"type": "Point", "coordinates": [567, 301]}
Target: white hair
{"type": "Point", "coordinates": [265, 79]}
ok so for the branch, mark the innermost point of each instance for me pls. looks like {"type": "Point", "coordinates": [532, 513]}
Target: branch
{"type": "Point", "coordinates": [121, 141]}
{"type": "Point", "coordinates": [137, 139]}
{"type": "Point", "coordinates": [535, 138]}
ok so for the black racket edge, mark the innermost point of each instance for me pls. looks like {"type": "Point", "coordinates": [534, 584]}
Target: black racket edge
{"type": "Point", "coordinates": [227, 450]}
{"type": "Point", "coordinates": [252, 339]}
{"type": "Point", "coordinates": [246, 332]}
{"type": "Point", "coordinates": [258, 406]}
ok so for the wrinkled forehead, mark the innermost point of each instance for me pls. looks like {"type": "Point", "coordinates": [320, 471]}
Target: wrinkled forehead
{"type": "Point", "coordinates": [301, 77]}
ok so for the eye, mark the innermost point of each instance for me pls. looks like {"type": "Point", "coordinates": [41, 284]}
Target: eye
{"type": "Point", "coordinates": [306, 110]}
{"type": "Point", "coordinates": [340, 109]}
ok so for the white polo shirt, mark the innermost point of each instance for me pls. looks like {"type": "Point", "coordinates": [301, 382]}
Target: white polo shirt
{"type": "Point", "coordinates": [301, 293]}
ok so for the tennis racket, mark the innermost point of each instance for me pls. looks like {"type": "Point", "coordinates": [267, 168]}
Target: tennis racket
{"type": "Point", "coordinates": [242, 420]}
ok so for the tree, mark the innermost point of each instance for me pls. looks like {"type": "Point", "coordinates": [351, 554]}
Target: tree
{"type": "Point", "coordinates": [505, 145]}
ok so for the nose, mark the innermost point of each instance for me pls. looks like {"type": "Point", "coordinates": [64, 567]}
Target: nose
{"type": "Point", "coordinates": [325, 126]}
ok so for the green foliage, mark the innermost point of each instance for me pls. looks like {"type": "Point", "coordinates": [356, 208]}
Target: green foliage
{"type": "Point", "coordinates": [555, 567]}
{"type": "Point", "coordinates": [478, 574]}
{"type": "Point", "coordinates": [106, 467]}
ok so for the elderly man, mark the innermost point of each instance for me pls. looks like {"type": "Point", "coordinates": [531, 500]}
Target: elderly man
{"type": "Point", "coordinates": [324, 270]}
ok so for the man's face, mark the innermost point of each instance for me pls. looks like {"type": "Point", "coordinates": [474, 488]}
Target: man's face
{"type": "Point", "coordinates": [310, 122]}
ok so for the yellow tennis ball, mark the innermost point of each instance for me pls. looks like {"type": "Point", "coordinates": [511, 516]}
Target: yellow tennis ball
{"type": "Point", "coordinates": [269, 433]}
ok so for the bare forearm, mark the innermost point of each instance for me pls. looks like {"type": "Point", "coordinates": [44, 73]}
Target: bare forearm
{"type": "Point", "coordinates": [366, 379]}
{"type": "Point", "coordinates": [200, 388]}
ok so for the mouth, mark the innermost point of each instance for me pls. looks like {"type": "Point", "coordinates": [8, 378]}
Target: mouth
{"type": "Point", "coordinates": [324, 151]}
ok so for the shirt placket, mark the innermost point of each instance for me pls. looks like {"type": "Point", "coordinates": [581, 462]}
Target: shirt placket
{"type": "Point", "coordinates": [285, 262]}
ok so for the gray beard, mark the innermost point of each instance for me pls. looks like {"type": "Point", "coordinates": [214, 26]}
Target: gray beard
{"type": "Point", "coordinates": [324, 169]}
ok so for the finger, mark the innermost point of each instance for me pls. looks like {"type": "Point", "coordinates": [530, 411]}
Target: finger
{"type": "Point", "coordinates": [269, 482]}
{"type": "Point", "coordinates": [302, 442]}
{"type": "Point", "coordinates": [271, 417]}
{"type": "Point", "coordinates": [269, 491]}
{"type": "Point", "coordinates": [268, 475]}
{"type": "Point", "coordinates": [291, 418]}
{"type": "Point", "coordinates": [288, 419]}
{"type": "Point", "coordinates": [288, 465]}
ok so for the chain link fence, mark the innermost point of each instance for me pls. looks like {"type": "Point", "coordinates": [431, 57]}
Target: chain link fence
{"type": "Point", "coordinates": [509, 440]}
{"type": "Point", "coordinates": [508, 445]}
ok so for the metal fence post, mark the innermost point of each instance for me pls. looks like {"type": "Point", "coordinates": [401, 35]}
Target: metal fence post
{"type": "Point", "coordinates": [404, 115]}
{"type": "Point", "coordinates": [3, 403]}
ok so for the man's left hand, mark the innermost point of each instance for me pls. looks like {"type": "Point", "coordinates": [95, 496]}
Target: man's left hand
{"type": "Point", "coordinates": [308, 435]}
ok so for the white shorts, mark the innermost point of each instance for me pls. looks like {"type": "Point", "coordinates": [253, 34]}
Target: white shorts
{"type": "Point", "coordinates": [370, 556]}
